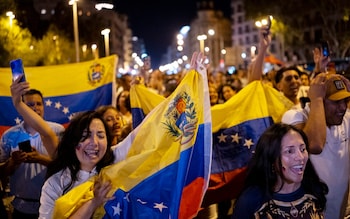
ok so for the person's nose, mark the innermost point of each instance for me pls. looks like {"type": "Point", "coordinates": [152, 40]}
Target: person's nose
{"type": "Point", "coordinates": [93, 140]}
{"type": "Point", "coordinates": [299, 155]}
{"type": "Point", "coordinates": [343, 105]}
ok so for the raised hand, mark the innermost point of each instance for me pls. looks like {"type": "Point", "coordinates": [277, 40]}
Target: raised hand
{"type": "Point", "coordinates": [197, 62]}
{"type": "Point", "coordinates": [321, 61]}
{"type": "Point", "coordinates": [17, 90]}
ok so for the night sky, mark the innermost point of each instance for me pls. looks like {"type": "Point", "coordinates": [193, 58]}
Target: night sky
{"type": "Point", "coordinates": [157, 22]}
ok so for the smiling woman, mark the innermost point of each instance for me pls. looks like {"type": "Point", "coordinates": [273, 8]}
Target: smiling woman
{"type": "Point", "coordinates": [276, 181]}
{"type": "Point", "coordinates": [85, 148]}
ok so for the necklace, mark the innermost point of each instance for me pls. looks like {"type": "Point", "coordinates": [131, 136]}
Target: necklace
{"type": "Point", "coordinates": [293, 210]}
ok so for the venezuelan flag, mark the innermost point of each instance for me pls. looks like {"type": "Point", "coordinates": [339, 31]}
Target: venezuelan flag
{"type": "Point", "coordinates": [237, 125]}
{"type": "Point", "coordinates": [142, 101]}
{"type": "Point", "coordinates": [166, 171]}
{"type": "Point", "coordinates": [67, 89]}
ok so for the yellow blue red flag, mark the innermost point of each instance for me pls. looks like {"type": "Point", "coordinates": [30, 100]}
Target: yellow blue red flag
{"type": "Point", "coordinates": [142, 101]}
{"type": "Point", "coordinates": [67, 89]}
{"type": "Point", "coordinates": [236, 125]}
{"type": "Point", "coordinates": [166, 171]}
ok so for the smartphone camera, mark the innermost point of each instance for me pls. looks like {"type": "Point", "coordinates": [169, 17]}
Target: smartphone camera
{"type": "Point", "coordinates": [25, 146]}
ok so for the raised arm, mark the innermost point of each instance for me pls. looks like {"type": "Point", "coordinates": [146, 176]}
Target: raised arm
{"type": "Point", "coordinates": [257, 66]}
{"type": "Point", "coordinates": [315, 127]}
{"type": "Point", "coordinates": [320, 61]}
{"type": "Point", "coordinates": [48, 136]}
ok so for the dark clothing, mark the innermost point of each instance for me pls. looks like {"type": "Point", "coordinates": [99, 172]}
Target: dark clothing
{"type": "Point", "coordinates": [3, 212]}
{"type": "Point", "coordinates": [19, 215]}
{"type": "Point", "coordinates": [252, 204]}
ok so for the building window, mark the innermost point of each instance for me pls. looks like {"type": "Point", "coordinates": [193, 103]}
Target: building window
{"type": "Point", "coordinates": [240, 30]}
{"type": "Point", "coordinates": [241, 42]}
{"type": "Point", "coordinates": [247, 29]}
{"type": "Point", "coordinates": [247, 40]}
{"type": "Point", "coordinates": [255, 38]}
{"type": "Point", "coordinates": [239, 8]}
{"type": "Point", "coordinates": [240, 19]}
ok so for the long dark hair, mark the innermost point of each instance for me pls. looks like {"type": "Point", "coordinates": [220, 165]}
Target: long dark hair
{"type": "Point", "coordinates": [66, 157]}
{"type": "Point", "coordinates": [262, 170]}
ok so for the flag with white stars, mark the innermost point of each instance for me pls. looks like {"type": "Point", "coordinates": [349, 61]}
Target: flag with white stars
{"type": "Point", "coordinates": [67, 89]}
{"type": "Point", "coordinates": [166, 171]}
{"type": "Point", "coordinates": [237, 126]}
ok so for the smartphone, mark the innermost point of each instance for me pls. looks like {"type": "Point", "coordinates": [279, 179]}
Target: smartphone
{"type": "Point", "coordinates": [17, 69]}
{"type": "Point", "coordinates": [268, 25]}
{"type": "Point", "coordinates": [25, 146]}
{"type": "Point", "coordinates": [325, 48]}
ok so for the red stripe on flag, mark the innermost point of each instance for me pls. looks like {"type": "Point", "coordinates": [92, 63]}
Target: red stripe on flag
{"type": "Point", "coordinates": [191, 199]}
{"type": "Point", "coordinates": [225, 186]}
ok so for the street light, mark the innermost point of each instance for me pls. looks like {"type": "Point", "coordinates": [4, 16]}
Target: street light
{"type": "Point", "coordinates": [94, 51]}
{"type": "Point", "coordinates": [100, 6]}
{"type": "Point", "coordinates": [201, 39]}
{"type": "Point", "coordinates": [76, 30]}
{"type": "Point", "coordinates": [105, 33]}
{"type": "Point", "coordinates": [11, 16]}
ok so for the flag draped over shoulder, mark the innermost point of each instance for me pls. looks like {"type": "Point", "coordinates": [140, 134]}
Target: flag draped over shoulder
{"type": "Point", "coordinates": [67, 89]}
{"type": "Point", "coordinates": [237, 125]}
{"type": "Point", "coordinates": [166, 171]}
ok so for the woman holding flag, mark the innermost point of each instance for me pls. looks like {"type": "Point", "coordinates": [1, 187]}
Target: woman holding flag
{"type": "Point", "coordinates": [85, 148]}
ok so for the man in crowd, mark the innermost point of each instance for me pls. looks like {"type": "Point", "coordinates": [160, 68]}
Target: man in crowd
{"type": "Point", "coordinates": [26, 170]}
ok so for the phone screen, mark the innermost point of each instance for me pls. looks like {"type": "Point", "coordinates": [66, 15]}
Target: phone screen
{"type": "Point", "coordinates": [25, 146]}
{"type": "Point", "coordinates": [17, 69]}
{"type": "Point", "coordinates": [325, 48]}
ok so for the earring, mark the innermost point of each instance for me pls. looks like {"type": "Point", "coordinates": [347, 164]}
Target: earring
{"type": "Point", "coordinates": [79, 146]}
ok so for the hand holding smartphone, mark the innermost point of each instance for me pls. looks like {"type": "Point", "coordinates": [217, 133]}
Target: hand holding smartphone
{"type": "Point", "coordinates": [25, 146]}
{"type": "Point", "coordinates": [268, 26]}
{"type": "Point", "coordinates": [17, 69]}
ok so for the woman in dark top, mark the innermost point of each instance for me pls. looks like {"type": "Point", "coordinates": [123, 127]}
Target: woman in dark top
{"type": "Point", "coordinates": [281, 181]}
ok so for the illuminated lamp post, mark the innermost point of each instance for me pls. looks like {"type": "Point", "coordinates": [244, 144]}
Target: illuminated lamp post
{"type": "Point", "coordinates": [105, 33]}
{"type": "Point", "coordinates": [201, 39]}
{"type": "Point", "coordinates": [76, 30]}
{"type": "Point", "coordinates": [11, 16]}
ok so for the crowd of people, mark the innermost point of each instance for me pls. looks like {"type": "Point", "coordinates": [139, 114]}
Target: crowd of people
{"type": "Point", "coordinates": [300, 168]}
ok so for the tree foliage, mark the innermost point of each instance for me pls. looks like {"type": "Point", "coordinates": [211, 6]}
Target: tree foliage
{"type": "Point", "coordinates": [17, 42]}
{"type": "Point", "coordinates": [330, 16]}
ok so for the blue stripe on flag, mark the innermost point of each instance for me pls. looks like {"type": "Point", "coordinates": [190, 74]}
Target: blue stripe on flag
{"type": "Point", "coordinates": [233, 147]}
{"type": "Point", "coordinates": [60, 108]}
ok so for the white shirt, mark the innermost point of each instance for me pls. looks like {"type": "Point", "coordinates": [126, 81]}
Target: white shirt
{"type": "Point", "coordinates": [54, 185]}
{"type": "Point", "coordinates": [332, 164]}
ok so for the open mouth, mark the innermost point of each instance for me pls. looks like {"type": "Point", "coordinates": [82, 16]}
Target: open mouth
{"type": "Point", "coordinates": [298, 169]}
{"type": "Point", "coordinates": [91, 153]}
